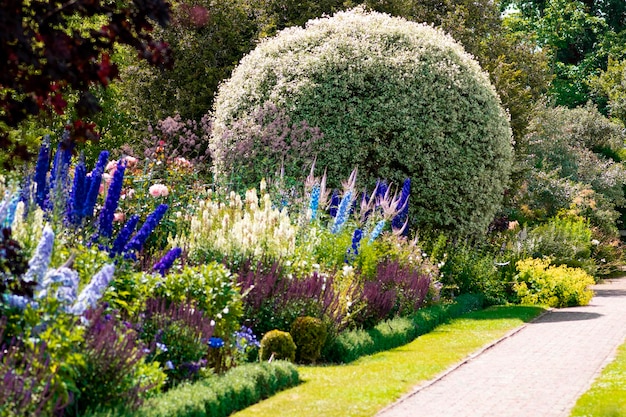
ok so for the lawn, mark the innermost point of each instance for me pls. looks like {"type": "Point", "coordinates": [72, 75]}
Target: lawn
{"type": "Point", "coordinates": [367, 385]}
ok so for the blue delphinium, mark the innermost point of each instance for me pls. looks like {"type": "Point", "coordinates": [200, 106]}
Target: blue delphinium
{"type": "Point", "coordinates": [381, 190]}
{"type": "Point", "coordinates": [399, 219]}
{"type": "Point", "coordinates": [334, 204]}
{"type": "Point", "coordinates": [61, 284]}
{"type": "Point", "coordinates": [378, 229]}
{"type": "Point", "coordinates": [353, 250]}
{"type": "Point", "coordinates": [90, 295]}
{"type": "Point", "coordinates": [105, 221]}
{"type": "Point", "coordinates": [315, 200]}
{"type": "Point", "coordinates": [61, 164]}
{"type": "Point", "coordinates": [11, 208]}
{"type": "Point", "coordinates": [94, 183]}
{"type": "Point", "coordinates": [78, 194]}
{"type": "Point", "coordinates": [124, 235]}
{"type": "Point", "coordinates": [167, 260]}
{"type": "Point", "coordinates": [16, 301]}
{"type": "Point", "coordinates": [137, 241]}
{"type": "Point", "coordinates": [215, 343]}
{"type": "Point", "coordinates": [38, 264]}
{"type": "Point", "coordinates": [342, 212]}
{"type": "Point", "coordinates": [41, 172]}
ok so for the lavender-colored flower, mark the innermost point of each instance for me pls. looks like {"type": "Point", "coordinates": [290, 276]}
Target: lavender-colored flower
{"type": "Point", "coordinates": [124, 235]}
{"type": "Point", "coordinates": [90, 295]}
{"type": "Point", "coordinates": [342, 212]}
{"type": "Point", "coordinates": [105, 222]}
{"type": "Point", "coordinates": [399, 219]}
{"type": "Point", "coordinates": [137, 242]}
{"type": "Point", "coordinates": [41, 172]}
{"type": "Point", "coordinates": [334, 204]}
{"type": "Point", "coordinates": [60, 283]}
{"type": "Point", "coordinates": [169, 365]}
{"type": "Point", "coordinates": [378, 229]}
{"type": "Point", "coordinates": [16, 301]}
{"type": "Point", "coordinates": [94, 183]}
{"type": "Point", "coordinates": [78, 195]}
{"type": "Point", "coordinates": [315, 200]}
{"type": "Point", "coordinates": [38, 264]}
{"type": "Point", "coordinates": [167, 260]}
{"type": "Point", "coordinates": [216, 343]}
{"type": "Point", "coordinates": [245, 339]}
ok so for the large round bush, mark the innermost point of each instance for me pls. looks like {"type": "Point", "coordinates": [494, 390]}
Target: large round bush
{"type": "Point", "coordinates": [395, 98]}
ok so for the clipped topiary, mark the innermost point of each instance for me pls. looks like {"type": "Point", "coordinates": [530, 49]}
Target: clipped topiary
{"type": "Point", "coordinates": [279, 344]}
{"type": "Point", "coordinates": [309, 334]}
{"type": "Point", "coordinates": [397, 99]}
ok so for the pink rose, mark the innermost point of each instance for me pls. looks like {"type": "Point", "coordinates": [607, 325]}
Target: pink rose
{"type": "Point", "coordinates": [158, 190]}
{"type": "Point", "coordinates": [131, 161]}
{"type": "Point", "coordinates": [111, 166]}
{"type": "Point", "coordinates": [119, 217]}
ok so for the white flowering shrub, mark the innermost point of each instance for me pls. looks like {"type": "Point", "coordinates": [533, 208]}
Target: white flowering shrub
{"type": "Point", "coordinates": [395, 98]}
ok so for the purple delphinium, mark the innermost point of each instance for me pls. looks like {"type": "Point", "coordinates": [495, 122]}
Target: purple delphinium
{"type": "Point", "coordinates": [61, 163]}
{"type": "Point", "coordinates": [78, 194]}
{"type": "Point", "coordinates": [90, 295]}
{"type": "Point", "coordinates": [124, 235]}
{"type": "Point", "coordinates": [353, 250]}
{"type": "Point", "coordinates": [95, 179]}
{"type": "Point", "coordinates": [334, 203]}
{"type": "Point", "coordinates": [41, 172]}
{"type": "Point", "coordinates": [137, 241]}
{"type": "Point", "coordinates": [38, 264]}
{"type": "Point", "coordinates": [167, 260]}
{"type": "Point", "coordinates": [399, 219]}
{"type": "Point", "coordinates": [105, 221]}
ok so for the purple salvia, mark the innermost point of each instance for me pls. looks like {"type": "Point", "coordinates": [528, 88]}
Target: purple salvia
{"type": "Point", "coordinates": [92, 292]}
{"type": "Point", "coordinates": [137, 241]}
{"type": "Point", "coordinates": [124, 235]}
{"type": "Point", "coordinates": [78, 195]}
{"type": "Point", "coordinates": [105, 221]}
{"type": "Point", "coordinates": [41, 172]}
{"type": "Point", "coordinates": [94, 183]}
{"type": "Point", "coordinates": [38, 264]}
{"type": "Point", "coordinates": [167, 260]}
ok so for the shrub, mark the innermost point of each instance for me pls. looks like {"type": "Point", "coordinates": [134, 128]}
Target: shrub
{"type": "Point", "coordinates": [278, 344]}
{"type": "Point", "coordinates": [309, 335]}
{"type": "Point", "coordinates": [556, 286]}
{"type": "Point", "coordinates": [396, 98]}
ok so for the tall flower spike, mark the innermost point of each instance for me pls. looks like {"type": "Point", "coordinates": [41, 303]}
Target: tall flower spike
{"type": "Point", "coordinates": [11, 208]}
{"type": "Point", "coordinates": [342, 212]}
{"type": "Point", "coordinates": [38, 264]}
{"type": "Point", "coordinates": [351, 183]}
{"type": "Point", "coordinates": [94, 183]}
{"type": "Point", "coordinates": [334, 204]}
{"type": "Point", "coordinates": [167, 260]}
{"type": "Point", "coordinates": [41, 172]}
{"type": "Point", "coordinates": [324, 193]}
{"type": "Point", "coordinates": [92, 292]}
{"type": "Point", "coordinates": [378, 229]}
{"type": "Point", "coordinates": [137, 242]}
{"type": "Point", "coordinates": [124, 235]}
{"type": "Point", "coordinates": [105, 221]}
{"type": "Point", "coordinates": [79, 193]}
{"type": "Point", "coordinates": [400, 220]}
{"type": "Point", "coordinates": [315, 200]}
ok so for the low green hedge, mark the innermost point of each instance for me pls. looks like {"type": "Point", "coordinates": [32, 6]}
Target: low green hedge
{"type": "Point", "coordinates": [218, 396]}
{"type": "Point", "coordinates": [351, 345]}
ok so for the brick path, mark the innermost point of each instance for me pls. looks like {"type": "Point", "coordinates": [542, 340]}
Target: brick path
{"type": "Point", "coordinates": [538, 370]}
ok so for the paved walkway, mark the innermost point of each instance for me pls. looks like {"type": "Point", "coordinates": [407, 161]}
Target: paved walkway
{"type": "Point", "coordinates": [539, 370]}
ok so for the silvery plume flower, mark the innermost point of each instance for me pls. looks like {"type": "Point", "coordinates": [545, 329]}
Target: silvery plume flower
{"type": "Point", "coordinates": [38, 264]}
{"type": "Point", "coordinates": [90, 295]}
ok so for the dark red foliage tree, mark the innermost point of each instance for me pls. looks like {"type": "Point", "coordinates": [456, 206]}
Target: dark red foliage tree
{"type": "Point", "coordinates": [42, 56]}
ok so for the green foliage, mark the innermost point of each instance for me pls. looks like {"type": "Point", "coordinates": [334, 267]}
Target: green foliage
{"type": "Point", "coordinates": [351, 345]}
{"type": "Point", "coordinates": [278, 344]}
{"type": "Point", "coordinates": [397, 99]}
{"type": "Point", "coordinates": [218, 396]}
{"type": "Point", "coordinates": [565, 240]}
{"type": "Point", "coordinates": [309, 335]}
{"type": "Point", "coordinates": [612, 84]}
{"type": "Point", "coordinates": [556, 286]}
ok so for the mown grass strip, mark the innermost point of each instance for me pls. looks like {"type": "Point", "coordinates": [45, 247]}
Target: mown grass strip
{"type": "Point", "coordinates": [365, 386]}
{"type": "Point", "coordinates": [607, 395]}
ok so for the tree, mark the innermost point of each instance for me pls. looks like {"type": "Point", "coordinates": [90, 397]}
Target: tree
{"type": "Point", "coordinates": [45, 57]}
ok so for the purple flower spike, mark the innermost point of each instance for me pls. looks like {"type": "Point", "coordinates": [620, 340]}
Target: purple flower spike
{"type": "Point", "coordinates": [137, 242]}
{"type": "Point", "coordinates": [94, 183]}
{"type": "Point", "coordinates": [79, 194]}
{"type": "Point", "coordinates": [167, 261]}
{"type": "Point", "coordinates": [105, 222]}
{"type": "Point", "coordinates": [124, 235]}
{"type": "Point", "coordinates": [41, 172]}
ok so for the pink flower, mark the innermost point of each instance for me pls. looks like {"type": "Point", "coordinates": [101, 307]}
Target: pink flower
{"type": "Point", "coordinates": [111, 166]}
{"type": "Point", "coordinates": [119, 217]}
{"type": "Point", "coordinates": [131, 161]}
{"type": "Point", "coordinates": [158, 190]}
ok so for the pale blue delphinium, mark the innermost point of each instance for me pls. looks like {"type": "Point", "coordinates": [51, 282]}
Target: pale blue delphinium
{"type": "Point", "coordinates": [90, 295]}
{"type": "Point", "coordinates": [11, 209]}
{"type": "Point", "coordinates": [38, 264]}
{"type": "Point", "coordinates": [315, 200]}
{"type": "Point", "coordinates": [60, 283]}
{"type": "Point", "coordinates": [16, 301]}
{"type": "Point", "coordinates": [378, 229]}
{"type": "Point", "coordinates": [342, 213]}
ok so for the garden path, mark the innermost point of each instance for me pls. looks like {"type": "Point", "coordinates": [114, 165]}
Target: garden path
{"type": "Point", "coordinates": [537, 370]}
